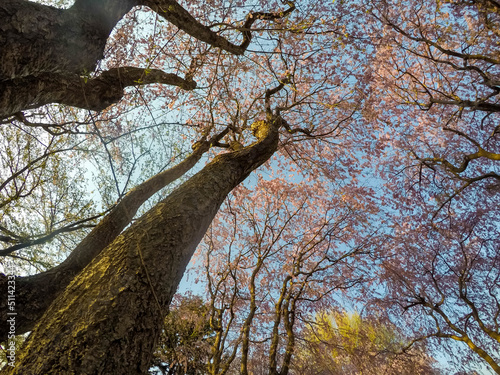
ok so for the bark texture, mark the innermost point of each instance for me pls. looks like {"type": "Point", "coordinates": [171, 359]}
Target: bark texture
{"type": "Point", "coordinates": [35, 293]}
{"type": "Point", "coordinates": [38, 39]}
{"type": "Point", "coordinates": [74, 90]}
{"type": "Point", "coordinates": [46, 53]}
{"type": "Point", "coordinates": [108, 319]}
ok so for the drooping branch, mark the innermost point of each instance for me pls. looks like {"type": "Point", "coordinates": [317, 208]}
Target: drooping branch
{"type": "Point", "coordinates": [463, 336]}
{"type": "Point", "coordinates": [462, 288]}
{"type": "Point", "coordinates": [466, 159]}
{"type": "Point", "coordinates": [421, 38]}
{"type": "Point", "coordinates": [481, 151]}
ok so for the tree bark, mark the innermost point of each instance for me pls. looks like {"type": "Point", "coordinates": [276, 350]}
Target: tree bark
{"type": "Point", "coordinates": [35, 293]}
{"type": "Point", "coordinates": [108, 319]}
{"type": "Point", "coordinates": [38, 39]}
{"type": "Point", "coordinates": [74, 90]}
{"type": "Point", "coordinates": [46, 52]}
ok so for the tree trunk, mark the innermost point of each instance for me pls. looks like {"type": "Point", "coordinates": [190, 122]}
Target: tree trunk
{"type": "Point", "coordinates": [47, 54]}
{"type": "Point", "coordinates": [35, 293]}
{"type": "Point", "coordinates": [38, 39]}
{"type": "Point", "coordinates": [108, 319]}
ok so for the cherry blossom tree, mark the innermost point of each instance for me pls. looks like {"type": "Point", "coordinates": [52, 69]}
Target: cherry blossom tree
{"type": "Point", "coordinates": [437, 80]}
{"type": "Point", "coordinates": [253, 64]}
{"type": "Point", "coordinates": [374, 123]}
{"type": "Point", "coordinates": [275, 254]}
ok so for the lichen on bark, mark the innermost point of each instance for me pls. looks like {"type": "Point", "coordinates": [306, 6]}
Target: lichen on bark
{"type": "Point", "coordinates": [120, 299]}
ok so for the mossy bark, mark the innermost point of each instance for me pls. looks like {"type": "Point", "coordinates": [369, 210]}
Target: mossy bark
{"type": "Point", "coordinates": [35, 293]}
{"type": "Point", "coordinates": [108, 319]}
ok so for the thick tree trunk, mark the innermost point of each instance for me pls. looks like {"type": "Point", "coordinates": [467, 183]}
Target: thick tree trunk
{"type": "Point", "coordinates": [45, 52]}
{"type": "Point", "coordinates": [38, 39]}
{"type": "Point", "coordinates": [108, 319]}
{"type": "Point", "coordinates": [35, 293]}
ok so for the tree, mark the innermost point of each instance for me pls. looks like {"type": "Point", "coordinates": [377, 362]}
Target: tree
{"type": "Point", "coordinates": [343, 343]}
{"type": "Point", "coordinates": [129, 280]}
{"type": "Point", "coordinates": [186, 338]}
{"type": "Point", "coordinates": [274, 254]}
{"type": "Point", "coordinates": [388, 106]}
{"type": "Point", "coordinates": [438, 78]}
{"type": "Point", "coordinates": [113, 290]}
{"type": "Point", "coordinates": [454, 297]}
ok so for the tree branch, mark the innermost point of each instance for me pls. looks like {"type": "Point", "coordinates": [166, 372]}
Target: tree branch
{"type": "Point", "coordinates": [94, 94]}
{"type": "Point", "coordinates": [35, 293]}
{"type": "Point", "coordinates": [180, 17]}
